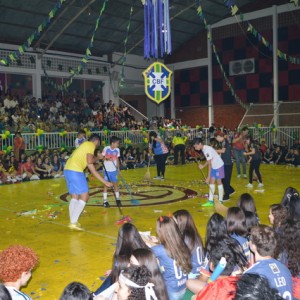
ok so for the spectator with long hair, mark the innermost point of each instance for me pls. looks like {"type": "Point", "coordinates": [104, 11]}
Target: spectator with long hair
{"type": "Point", "coordinates": [173, 255]}
{"type": "Point", "coordinates": [291, 201]}
{"type": "Point", "coordinates": [224, 286]}
{"type": "Point", "coordinates": [192, 239]}
{"type": "Point", "coordinates": [277, 216]}
{"type": "Point", "coordinates": [145, 257]}
{"type": "Point", "coordinates": [288, 251]}
{"type": "Point", "coordinates": [237, 228]}
{"type": "Point", "coordinates": [128, 240]}
{"type": "Point", "coordinates": [216, 231]}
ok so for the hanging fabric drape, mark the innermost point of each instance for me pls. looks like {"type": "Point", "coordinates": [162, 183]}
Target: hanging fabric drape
{"type": "Point", "coordinates": [157, 30]}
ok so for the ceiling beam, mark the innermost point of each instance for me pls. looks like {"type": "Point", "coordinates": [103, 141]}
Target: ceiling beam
{"type": "Point", "coordinates": [65, 27]}
{"type": "Point", "coordinates": [52, 24]}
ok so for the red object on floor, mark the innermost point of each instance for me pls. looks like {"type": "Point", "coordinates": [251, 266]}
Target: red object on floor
{"type": "Point", "coordinates": [125, 219]}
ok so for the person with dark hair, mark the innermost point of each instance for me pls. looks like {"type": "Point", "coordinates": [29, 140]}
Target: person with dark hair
{"type": "Point", "coordinates": [251, 220]}
{"type": "Point", "coordinates": [80, 138]}
{"type": "Point", "coordinates": [128, 240]}
{"type": "Point", "coordinates": [16, 265]}
{"type": "Point", "coordinates": [239, 149]}
{"type": "Point", "coordinates": [255, 287]}
{"type": "Point", "coordinates": [277, 216]}
{"type": "Point", "coordinates": [263, 243]}
{"type": "Point", "coordinates": [191, 238]}
{"type": "Point", "coordinates": [134, 284]}
{"type": "Point", "coordinates": [215, 170]}
{"type": "Point", "coordinates": [178, 142]}
{"type": "Point", "coordinates": [111, 168]}
{"type": "Point", "coordinates": [255, 161]}
{"type": "Point", "coordinates": [246, 203]}
{"type": "Point", "coordinates": [216, 231]}
{"type": "Point", "coordinates": [291, 201]}
{"type": "Point", "coordinates": [76, 291]}
{"type": "Point", "coordinates": [237, 229]}
{"type": "Point", "coordinates": [77, 184]}
{"type": "Point", "coordinates": [224, 286]}
{"type": "Point", "coordinates": [225, 151]}
{"type": "Point", "coordinates": [4, 293]}
{"type": "Point", "coordinates": [145, 257]}
{"type": "Point", "coordinates": [173, 255]}
{"type": "Point", "coordinates": [160, 154]}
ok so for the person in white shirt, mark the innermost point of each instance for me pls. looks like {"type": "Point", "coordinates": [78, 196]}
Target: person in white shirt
{"type": "Point", "coordinates": [215, 170]}
{"type": "Point", "coordinates": [16, 265]}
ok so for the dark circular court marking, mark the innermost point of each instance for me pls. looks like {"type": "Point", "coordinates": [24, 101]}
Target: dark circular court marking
{"type": "Point", "coordinates": [145, 194]}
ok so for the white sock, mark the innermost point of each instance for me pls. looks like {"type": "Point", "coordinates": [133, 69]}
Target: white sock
{"type": "Point", "coordinates": [221, 192]}
{"type": "Point", "coordinates": [117, 195]}
{"type": "Point", "coordinates": [77, 211]}
{"type": "Point", "coordinates": [72, 205]}
{"type": "Point", "coordinates": [211, 192]}
{"type": "Point", "coordinates": [104, 197]}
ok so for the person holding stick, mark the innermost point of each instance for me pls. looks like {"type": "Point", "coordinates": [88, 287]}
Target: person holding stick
{"type": "Point", "coordinates": [215, 170]}
{"type": "Point", "coordinates": [111, 168]}
{"type": "Point", "coordinates": [77, 184]}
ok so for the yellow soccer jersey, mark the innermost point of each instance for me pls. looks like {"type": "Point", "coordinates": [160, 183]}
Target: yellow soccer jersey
{"type": "Point", "coordinates": [77, 162]}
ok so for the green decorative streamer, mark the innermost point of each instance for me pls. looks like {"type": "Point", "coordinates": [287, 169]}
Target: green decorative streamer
{"type": "Point", "coordinates": [251, 29]}
{"type": "Point", "coordinates": [228, 83]}
{"type": "Point", "coordinates": [84, 60]}
{"type": "Point", "coordinates": [14, 56]}
{"type": "Point", "coordinates": [123, 58]}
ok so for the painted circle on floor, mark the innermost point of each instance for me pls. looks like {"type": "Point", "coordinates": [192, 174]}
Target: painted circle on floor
{"type": "Point", "coordinates": [141, 195]}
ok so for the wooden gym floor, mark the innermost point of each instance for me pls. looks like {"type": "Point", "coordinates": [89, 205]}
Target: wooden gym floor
{"type": "Point", "coordinates": [35, 214]}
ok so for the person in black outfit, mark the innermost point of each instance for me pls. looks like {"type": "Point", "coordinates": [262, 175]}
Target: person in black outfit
{"type": "Point", "coordinates": [225, 151]}
{"type": "Point", "coordinates": [255, 161]}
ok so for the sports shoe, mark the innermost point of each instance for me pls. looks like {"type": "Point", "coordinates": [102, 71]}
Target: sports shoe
{"type": "Point", "coordinates": [106, 204]}
{"type": "Point", "coordinates": [226, 198]}
{"type": "Point", "coordinates": [119, 204]}
{"type": "Point", "coordinates": [249, 185]}
{"type": "Point", "coordinates": [75, 226]}
{"type": "Point", "coordinates": [232, 193]}
{"type": "Point", "coordinates": [238, 176]}
{"type": "Point", "coordinates": [208, 204]}
{"type": "Point", "coordinates": [245, 176]}
{"type": "Point", "coordinates": [260, 184]}
{"type": "Point", "coordinates": [157, 177]}
{"type": "Point", "coordinates": [162, 178]}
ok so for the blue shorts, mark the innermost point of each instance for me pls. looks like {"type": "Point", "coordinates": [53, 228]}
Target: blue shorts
{"type": "Point", "coordinates": [217, 173]}
{"type": "Point", "coordinates": [76, 182]}
{"type": "Point", "coordinates": [110, 176]}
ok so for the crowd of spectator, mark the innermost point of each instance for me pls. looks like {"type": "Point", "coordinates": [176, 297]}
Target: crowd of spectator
{"type": "Point", "coordinates": [240, 258]}
{"type": "Point", "coordinates": [70, 113]}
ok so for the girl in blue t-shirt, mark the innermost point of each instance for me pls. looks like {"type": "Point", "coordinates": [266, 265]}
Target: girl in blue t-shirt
{"type": "Point", "coordinates": [173, 256]}
{"type": "Point", "coordinates": [192, 239]}
{"type": "Point", "coordinates": [160, 154]}
{"type": "Point", "coordinates": [237, 228]}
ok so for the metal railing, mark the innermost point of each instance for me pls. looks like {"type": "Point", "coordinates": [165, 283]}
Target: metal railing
{"type": "Point", "coordinates": [55, 140]}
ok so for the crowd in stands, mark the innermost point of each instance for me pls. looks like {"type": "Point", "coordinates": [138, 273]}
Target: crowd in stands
{"type": "Point", "coordinates": [240, 258]}
{"type": "Point", "coordinates": [71, 113]}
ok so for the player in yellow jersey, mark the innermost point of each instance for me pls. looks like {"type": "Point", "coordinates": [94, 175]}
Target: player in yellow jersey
{"type": "Point", "coordinates": [77, 184]}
